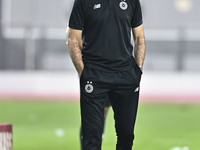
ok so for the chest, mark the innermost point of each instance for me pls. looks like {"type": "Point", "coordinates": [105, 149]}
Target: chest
{"type": "Point", "coordinates": [114, 11]}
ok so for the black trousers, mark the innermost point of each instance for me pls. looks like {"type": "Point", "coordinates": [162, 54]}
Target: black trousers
{"type": "Point", "coordinates": [122, 88]}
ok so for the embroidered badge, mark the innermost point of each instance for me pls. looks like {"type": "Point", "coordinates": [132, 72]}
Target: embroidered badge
{"type": "Point", "coordinates": [123, 5]}
{"type": "Point", "coordinates": [88, 87]}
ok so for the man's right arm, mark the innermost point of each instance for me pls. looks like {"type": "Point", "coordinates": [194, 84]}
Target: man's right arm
{"type": "Point", "coordinates": [74, 44]}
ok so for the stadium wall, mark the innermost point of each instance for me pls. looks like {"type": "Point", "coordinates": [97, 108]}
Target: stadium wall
{"type": "Point", "coordinates": [157, 87]}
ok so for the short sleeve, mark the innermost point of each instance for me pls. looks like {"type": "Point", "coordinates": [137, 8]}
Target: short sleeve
{"type": "Point", "coordinates": [137, 16]}
{"type": "Point", "coordinates": [76, 20]}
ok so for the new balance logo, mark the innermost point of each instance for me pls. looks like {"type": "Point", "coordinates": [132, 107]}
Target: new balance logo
{"type": "Point", "coordinates": [96, 6]}
{"type": "Point", "coordinates": [137, 89]}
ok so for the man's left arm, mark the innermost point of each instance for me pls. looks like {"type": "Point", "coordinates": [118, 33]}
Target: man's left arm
{"type": "Point", "coordinates": [139, 45]}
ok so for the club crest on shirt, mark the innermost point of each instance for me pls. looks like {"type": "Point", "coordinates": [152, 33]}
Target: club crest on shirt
{"type": "Point", "coordinates": [123, 5]}
{"type": "Point", "coordinates": [88, 87]}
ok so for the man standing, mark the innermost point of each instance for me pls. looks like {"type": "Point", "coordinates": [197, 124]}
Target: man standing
{"type": "Point", "coordinates": [106, 66]}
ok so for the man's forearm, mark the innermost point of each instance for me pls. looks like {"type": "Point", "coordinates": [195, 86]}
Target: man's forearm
{"type": "Point", "coordinates": [74, 44]}
{"type": "Point", "coordinates": [75, 53]}
{"type": "Point", "coordinates": [139, 51]}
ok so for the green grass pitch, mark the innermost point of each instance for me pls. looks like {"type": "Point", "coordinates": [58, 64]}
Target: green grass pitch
{"type": "Point", "coordinates": [55, 125]}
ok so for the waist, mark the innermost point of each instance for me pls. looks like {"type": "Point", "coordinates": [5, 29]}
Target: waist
{"type": "Point", "coordinates": [110, 66]}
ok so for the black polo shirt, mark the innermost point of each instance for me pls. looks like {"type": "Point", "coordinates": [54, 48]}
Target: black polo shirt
{"type": "Point", "coordinates": [107, 26]}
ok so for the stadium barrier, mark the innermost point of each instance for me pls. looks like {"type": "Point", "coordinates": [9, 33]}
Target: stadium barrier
{"type": "Point", "coordinates": [173, 87]}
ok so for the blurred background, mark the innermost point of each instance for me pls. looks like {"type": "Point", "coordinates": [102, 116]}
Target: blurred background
{"type": "Point", "coordinates": [35, 68]}
{"type": "Point", "coordinates": [34, 55]}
